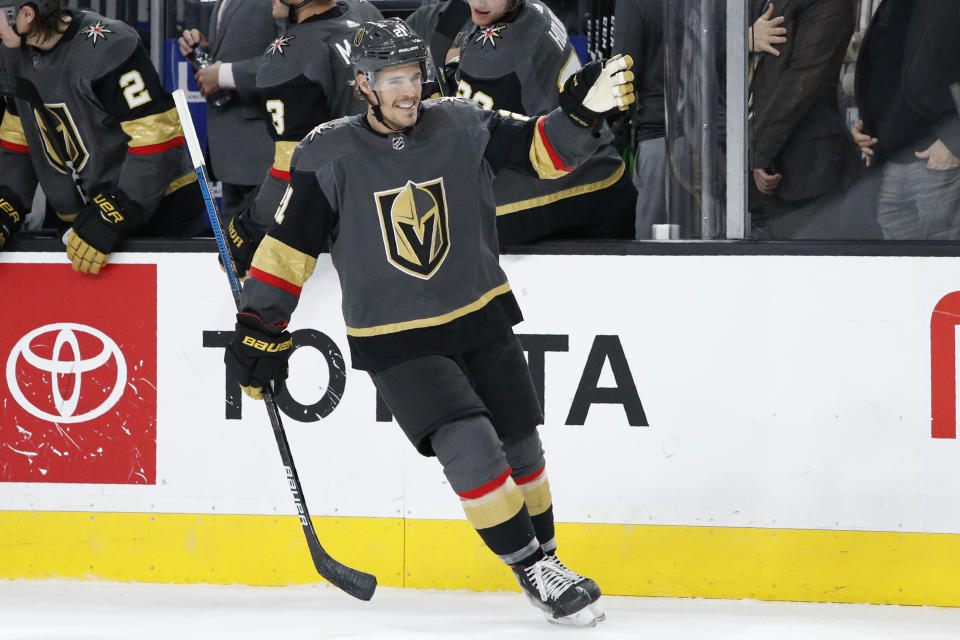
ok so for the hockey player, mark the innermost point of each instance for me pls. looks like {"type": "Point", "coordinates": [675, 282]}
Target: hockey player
{"type": "Point", "coordinates": [515, 58]}
{"type": "Point", "coordinates": [302, 80]}
{"type": "Point", "coordinates": [402, 195]}
{"type": "Point", "coordinates": [93, 124]}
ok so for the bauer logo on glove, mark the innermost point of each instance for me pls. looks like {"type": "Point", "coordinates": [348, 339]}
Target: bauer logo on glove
{"type": "Point", "coordinates": [11, 214]}
{"type": "Point", "coordinates": [108, 211]}
{"type": "Point", "coordinates": [98, 229]}
{"type": "Point", "coordinates": [599, 89]}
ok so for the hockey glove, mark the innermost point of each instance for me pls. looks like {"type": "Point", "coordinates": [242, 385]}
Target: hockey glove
{"type": "Point", "coordinates": [255, 358]}
{"type": "Point", "coordinates": [99, 228]}
{"type": "Point", "coordinates": [244, 237]}
{"type": "Point", "coordinates": [597, 90]}
{"type": "Point", "coordinates": [11, 214]}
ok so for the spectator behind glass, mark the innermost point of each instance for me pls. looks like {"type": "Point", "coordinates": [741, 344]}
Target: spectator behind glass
{"type": "Point", "coordinates": [909, 127]}
{"type": "Point", "coordinates": [801, 153]}
{"type": "Point", "coordinates": [240, 147]}
{"type": "Point", "coordinates": [639, 34]}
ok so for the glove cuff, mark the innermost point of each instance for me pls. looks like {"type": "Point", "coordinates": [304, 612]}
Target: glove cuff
{"type": "Point", "coordinates": [12, 212]}
{"type": "Point", "coordinates": [107, 220]}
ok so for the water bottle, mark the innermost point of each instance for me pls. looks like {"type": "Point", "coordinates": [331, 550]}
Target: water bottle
{"type": "Point", "coordinates": [201, 60]}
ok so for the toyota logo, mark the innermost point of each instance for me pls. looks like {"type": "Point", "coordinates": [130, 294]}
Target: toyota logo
{"type": "Point", "coordinates": [66, 335]}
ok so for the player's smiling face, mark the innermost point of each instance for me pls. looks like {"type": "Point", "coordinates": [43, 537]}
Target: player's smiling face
{"type": "Point", "coordinates": [486, 12]}
{"type": "Point", "coordinates": [399, 90]}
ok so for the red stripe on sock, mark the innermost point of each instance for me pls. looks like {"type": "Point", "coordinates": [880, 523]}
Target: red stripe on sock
{"type": "Point", "coordinates": [271, 279]}
{"type": "Point", "coordinates": [491, 486]}
{"type": "Point", "coordinates": [530, 478]}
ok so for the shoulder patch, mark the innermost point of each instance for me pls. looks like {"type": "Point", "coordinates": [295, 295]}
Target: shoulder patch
{"type": "Point", "coordinates": [453, 100]}
{"type": "Point", "coordinates": [490, 34]}
{"type": "Point", "coordinates": [321, 129]}
{"type": "Point", "coordinates": [277, 46]}
{"type": "Point", "coordinates": [95, 32]}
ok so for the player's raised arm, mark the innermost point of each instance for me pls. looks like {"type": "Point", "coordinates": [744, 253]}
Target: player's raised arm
{"type": "Point", "coordinates": [555, 144]}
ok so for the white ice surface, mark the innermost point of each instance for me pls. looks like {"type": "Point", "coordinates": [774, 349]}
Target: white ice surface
{"type": "Point", "coordinates": [44, 610]}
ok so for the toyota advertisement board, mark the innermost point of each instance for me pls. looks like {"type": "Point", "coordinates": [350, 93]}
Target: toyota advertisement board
{"type": "Point", "coordinates": [723, 391]}
{"type": "Point", "coordinates": [80, 400]}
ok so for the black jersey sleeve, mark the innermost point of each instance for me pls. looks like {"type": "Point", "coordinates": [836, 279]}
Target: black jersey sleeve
{"type": "Point", "coordinates": [132, 94]}
{"type": "Point", "coordinates": [287, 255]}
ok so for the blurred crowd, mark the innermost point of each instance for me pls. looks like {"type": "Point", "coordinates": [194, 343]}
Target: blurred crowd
{"type": "Point", "coordinates": [853, 128]}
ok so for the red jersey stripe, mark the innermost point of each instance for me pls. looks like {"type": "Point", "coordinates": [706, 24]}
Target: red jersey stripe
{"type": "Point", "coordinates": [157, 148]}
{"type": "Point", "coordinates": [10, 146]}
{"type": "Point", "coordinates": [271, 279]}
{"type": "Point", "coordinates": [282, 175]}
{"type": "Point", "coordinates": [557, 162]}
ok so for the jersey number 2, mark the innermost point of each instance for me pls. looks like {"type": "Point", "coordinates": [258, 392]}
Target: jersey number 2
{"type": "Point", "coordinates": [134, 89]}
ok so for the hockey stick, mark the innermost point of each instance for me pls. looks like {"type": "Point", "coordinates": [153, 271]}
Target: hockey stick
{"type": "Point", "coordinates": [357, 583]}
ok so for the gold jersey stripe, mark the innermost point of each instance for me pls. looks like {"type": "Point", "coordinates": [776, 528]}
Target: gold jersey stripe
{"type": "Point", "coordinates": [522, 205]}
{"type": "Point", "coordinates": [155, 129]}
{"type": "Point", "coordinates": [180, 182]}
{"type": "Point", "coordinates": [283, 261]}
{"type": "Point", "coordinates": [495, 508]}
{"type": "Point", "coordinates": [421, 323]}
{"type": "Point", "coordinates": [540, 158]}
{"type": "Point", "coordinates": [537, 495]}
{"type": "Point", "coordinates": [283, 154]}
{"type": "Point", "coordinates": [11, 130]}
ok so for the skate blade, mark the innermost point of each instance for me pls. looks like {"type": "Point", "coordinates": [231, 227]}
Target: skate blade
{"type": "Point", "coordinates": [582, 618]}
{"type": "Point", "coordinates": [597, 611]}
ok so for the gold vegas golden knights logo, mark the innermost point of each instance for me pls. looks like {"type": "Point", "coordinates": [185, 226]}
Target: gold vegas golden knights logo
{"type": "Point", "coordinates": [416, 233]}
{"type": "Point", "coordinates": [66, 131]}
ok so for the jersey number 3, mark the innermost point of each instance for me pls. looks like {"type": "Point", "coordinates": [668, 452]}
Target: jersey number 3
{"type": "Point", "coordinates": [277, 113]}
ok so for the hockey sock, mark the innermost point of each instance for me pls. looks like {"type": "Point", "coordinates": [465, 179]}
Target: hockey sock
{"type": "Point", "coordinates": [476, 467]}
{"type": "Point", "coordinates": [525, 455]}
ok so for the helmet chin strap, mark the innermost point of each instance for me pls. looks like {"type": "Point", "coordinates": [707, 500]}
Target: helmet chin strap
{"type": "Point", "coordinates": [378, 113]}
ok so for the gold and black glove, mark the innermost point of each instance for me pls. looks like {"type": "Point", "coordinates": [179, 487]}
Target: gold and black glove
{"type": "Point", "coordinates": [99, 228]}
{"type": "Point", "coordinates": [599, 89]}
{"type": "Point", "coordinates": [255, 358]}
{"type": "Point", "coordinates": [11, 214]}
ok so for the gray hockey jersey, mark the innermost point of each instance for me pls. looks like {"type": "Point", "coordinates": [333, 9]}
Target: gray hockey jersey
{"type": "Point", "coordinates": [410, 222]}
{"type": "Point", "coordinates": [302, 79]}
{"type": "Point", "coordinates": [520, 66]}
{"type": "Point", "coordinates": [110, 116]}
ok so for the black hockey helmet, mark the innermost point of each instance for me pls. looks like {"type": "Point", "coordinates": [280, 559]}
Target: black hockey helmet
{"type": "Point", "coordinates": [388, 43]}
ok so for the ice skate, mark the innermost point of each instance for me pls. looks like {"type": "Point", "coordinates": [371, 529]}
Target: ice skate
{"type": "Point", "coordinates": [551, 590]}
{"type": "Point", "coordinates": [589, 586]}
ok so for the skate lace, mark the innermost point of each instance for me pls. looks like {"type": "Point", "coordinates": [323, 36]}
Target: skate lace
{"type": "Point", "coordinates": [548, 579]}
{"type": "Point", "coordinates": [570, 573]}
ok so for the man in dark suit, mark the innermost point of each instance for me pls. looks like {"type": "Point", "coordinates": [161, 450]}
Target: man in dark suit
{"type": "Point", "coordinates": [800, 149]}
{"type": "Point", "coordinates": [240, 147]}
{"type": "Point", "coordinates": [638, 32]}
{"type": "Point", "coordinates": [909, 128]}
